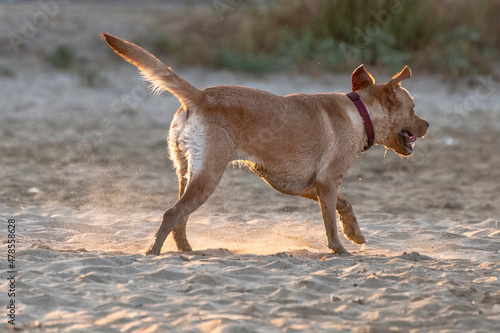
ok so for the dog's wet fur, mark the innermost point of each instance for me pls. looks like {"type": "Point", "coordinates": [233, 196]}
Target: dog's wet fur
{"type": "Point", "coordinates": [299, 144]}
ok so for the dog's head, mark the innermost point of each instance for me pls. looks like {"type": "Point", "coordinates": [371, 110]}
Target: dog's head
{"type": "Point", "coordinates": [396, 126]}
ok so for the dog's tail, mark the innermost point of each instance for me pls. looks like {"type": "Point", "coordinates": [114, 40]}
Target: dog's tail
{"type": "Point", "coordinates": [153, 70]}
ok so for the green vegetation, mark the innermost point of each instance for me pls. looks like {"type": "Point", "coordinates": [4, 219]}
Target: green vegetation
{"type": "Point", "coordinates": [454, 38]}
{"type": "Point", "coordinates": [6, 72]}
{"type": "Point", "coordinates": [91, 77]}
{"type": "Point", "coordinates": [62, 57]}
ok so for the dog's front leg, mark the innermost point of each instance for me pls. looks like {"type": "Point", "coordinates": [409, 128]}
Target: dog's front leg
{"type": "Point", "coordinates": [327, 197]}
{"type": "Point", "coordinates": [348, 220]}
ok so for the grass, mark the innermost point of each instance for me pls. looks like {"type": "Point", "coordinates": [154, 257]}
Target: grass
{"type": "Point", "coordinates": [6, 72]}
{"type": "Point", "coordinates": [454, 38]}
{"type": "Point", "coordinates": [62, 57]}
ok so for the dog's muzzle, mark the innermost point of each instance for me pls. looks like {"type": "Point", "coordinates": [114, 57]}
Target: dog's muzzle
{"type": "Point", "coordinates": [408, 140]}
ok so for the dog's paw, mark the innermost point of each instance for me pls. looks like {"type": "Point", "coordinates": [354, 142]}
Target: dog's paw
{"type": "Point", "coordinates": [184, 247]}
{"type": "Point", "coordinates": [338, 249]}
{"type": "Point", "coordinates": [357, 239]}
{"type": "Point", "coordinates": [351, 229]}
{"type": "Point", "coordinates": [152, 252]}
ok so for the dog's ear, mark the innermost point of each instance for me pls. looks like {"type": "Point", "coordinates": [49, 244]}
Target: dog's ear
{"type": "Point", "coordinates": [391, 86]}
{"type": "Point", "coordinates": [396, 80]}
{"type": "Point", "coordinates": [360, 78]}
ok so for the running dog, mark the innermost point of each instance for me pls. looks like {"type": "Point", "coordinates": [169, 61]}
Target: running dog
{"type": "Point", "coordinates": [299, 144]}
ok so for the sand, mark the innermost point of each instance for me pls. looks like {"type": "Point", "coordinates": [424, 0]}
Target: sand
{"type": "Point", "coordinates": [85, 174]}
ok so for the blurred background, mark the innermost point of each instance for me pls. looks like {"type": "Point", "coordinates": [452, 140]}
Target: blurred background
{"type": "Point", "coordinates": [453, 38]}
{"type": "Point", "coordinates": [450, 38]}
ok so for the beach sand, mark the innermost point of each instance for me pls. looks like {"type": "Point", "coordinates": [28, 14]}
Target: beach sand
{"type": "Point", "coordinates": [85, 175]}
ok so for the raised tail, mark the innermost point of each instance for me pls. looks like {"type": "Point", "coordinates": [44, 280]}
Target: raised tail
{"type": "Point", "coordinates": [153, 70]}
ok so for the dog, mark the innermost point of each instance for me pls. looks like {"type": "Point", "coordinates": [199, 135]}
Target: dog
{"type": "Point", "coordinates": [299, 144]}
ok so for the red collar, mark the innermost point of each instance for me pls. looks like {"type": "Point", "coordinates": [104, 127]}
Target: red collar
{"type": "Point", "coordinates": [366, 118]}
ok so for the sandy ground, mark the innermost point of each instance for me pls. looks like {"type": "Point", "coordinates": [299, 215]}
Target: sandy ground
{"type": "Point", "coordinates": [85, 174]}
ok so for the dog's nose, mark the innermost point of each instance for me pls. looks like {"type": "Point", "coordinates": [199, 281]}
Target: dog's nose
{"type": "Point", "coordinates": [428, 124]}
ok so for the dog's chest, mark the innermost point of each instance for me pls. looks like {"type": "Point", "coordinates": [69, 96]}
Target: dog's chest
{"type": "Point", "coordinates": [291, 182]}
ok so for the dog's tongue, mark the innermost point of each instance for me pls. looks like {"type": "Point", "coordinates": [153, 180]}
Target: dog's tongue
{"type": "Point", "coordinates": [409, 138]}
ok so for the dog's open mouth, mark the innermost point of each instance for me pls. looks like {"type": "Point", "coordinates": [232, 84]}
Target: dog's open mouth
{"type": "Point", "coordinates": [408, 140]}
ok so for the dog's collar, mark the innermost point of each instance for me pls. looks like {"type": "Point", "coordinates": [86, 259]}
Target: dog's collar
{"type": "Point", "coordinates": [366, 118]}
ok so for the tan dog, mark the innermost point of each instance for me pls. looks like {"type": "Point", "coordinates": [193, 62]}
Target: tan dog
{"type": "Point", "coordinates": [299, 144]}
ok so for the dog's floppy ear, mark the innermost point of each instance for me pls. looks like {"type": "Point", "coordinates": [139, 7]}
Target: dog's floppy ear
{"type": "Point", "coordinates": [360, 78]}
{"type": "Point", "coordinates": [396, 80]}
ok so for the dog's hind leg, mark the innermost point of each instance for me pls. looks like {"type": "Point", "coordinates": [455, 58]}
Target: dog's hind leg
{"type": "Point", "coordinates": [348, 220]}
{"type": "Point", "coordinates": [179, 231]}
{"type": "Point", "coordinates": [200, 185]}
